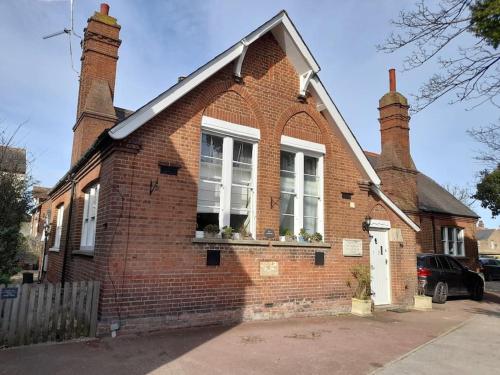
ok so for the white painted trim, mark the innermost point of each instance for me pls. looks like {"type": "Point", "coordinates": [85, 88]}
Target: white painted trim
{"type": "Point", "coordinates": [304, 82]}
{"type": "Point", "coordinates": [344, 129]}
{"type": "Point", "coordinates": [395, 208]}
{"type": "Point", "coordinates": [301, 145]}
{"type": "Point", "coordinates": [380, 224]}
{"type": "Point", "coordinates": [238, 64]}
{"type": "Point", "coordinates": [225, 128]}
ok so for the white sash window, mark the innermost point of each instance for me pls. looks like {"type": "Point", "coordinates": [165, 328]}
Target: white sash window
{"type": "Point", "coordinates": [91, 199]}
{"type": "Point", "coordinates": [59, 223]}
{"type": "Point", "coordinates": [301, 174]}
{"type": "Point", "coordinates": [453, 241]}
{"type": "Point", "coordinates": [228, 165]}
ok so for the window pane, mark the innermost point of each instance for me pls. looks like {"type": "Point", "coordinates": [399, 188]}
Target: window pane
{"type": "Point", "coordinates": [286, 222]}
{"type": "Point", "coordinates": [311, 185]}
{"type": "Point", "coordinates": [211, 169]}
{"type": "Point", "coordinates": [242, 173]}
{"type": "Point", "coordinates": [287, 204]}
{"type": "Point", "coordinates": [211, 146]}
{"type": "Point", "coordinates": [237, 222]}
{"type": "Point", "coordinates": [242, 152]}
{"type": "Point", "coordinates": [287, 182]}
{"type": "Point", "coordinates": [311, 206]}
{"type": "Point", "coordinates": [203, 219]}
{"type": "Point", "coordinates": [310, 225]}
{"type": "Point", "coordinates": [208, 197]}
{"type": "Point", "coordinates": [287, 161]}
{"type": "Point", "coordinates": [240, 198]}
{"type": "Point", "coordinates": [310, 165]}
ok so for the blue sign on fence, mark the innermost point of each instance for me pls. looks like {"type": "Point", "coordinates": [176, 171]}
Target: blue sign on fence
{"type": "Point", "coordinates": [8, 293]}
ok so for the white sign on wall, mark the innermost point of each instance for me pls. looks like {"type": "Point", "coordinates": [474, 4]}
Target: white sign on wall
{"type": "Point", "coordinates": [269, 269]}
{"type": "Point", "coordinates": [352, 247]}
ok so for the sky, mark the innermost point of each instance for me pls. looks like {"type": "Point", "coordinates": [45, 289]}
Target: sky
{"type": "Point", "coordinates": [162, 40]}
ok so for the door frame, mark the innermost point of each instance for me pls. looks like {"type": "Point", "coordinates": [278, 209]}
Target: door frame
{"type": "Point", "coordinates": [382, 226]}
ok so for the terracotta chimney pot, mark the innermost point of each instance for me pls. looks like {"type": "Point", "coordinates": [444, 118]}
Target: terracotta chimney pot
{"type": "Point", "coordinates": [104, 9]}
{"type": "Point", "coordinates": [392, 80]}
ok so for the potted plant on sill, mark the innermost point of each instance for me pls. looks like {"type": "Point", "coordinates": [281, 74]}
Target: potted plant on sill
{"type": "Point", "coordinates": [211, 231]}
{"type": "Point", "coordinates": [304, 236]}
{"type": "Point", "coordinates": [361, 300]}
{"type": "Point", "coordinates": [316, 237]}
{"type": "Point", "coordinates": [422, 302]}
{"type": "Point", "coordinates": [227, 232]}
{"type": "Point", "coordinates": [242, 234]}
{"type": "Point", "coordinates": [286, 235]}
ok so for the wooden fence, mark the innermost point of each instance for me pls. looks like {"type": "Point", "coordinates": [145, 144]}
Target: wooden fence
{"type": "Point", "coordinates": [34, 313]}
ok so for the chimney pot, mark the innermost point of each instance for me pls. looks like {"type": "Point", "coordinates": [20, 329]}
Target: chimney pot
{"type": "Point", "coordinates": [392, 80]}
{"type": "Point", "coordinates": [104, 9]}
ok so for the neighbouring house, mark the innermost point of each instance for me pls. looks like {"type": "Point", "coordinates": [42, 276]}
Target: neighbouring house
{"type": "Point", "coordinates": [447, 225]}
{"type": "Point", "coordinates": [488, 241]}
{"type": "Point", "coordinates": [40, 218]}
{"type": "Point", "coordinates": [251, 140]}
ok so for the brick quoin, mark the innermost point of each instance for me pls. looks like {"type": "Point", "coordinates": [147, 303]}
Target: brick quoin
{"type": "Point", "coordinates": [153, 274]}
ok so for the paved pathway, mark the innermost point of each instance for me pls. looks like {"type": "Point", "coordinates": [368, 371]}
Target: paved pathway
{"type": "Point", "coordinates": [334, 345]}
{"type": "Point", "coordinates": [470, 349]}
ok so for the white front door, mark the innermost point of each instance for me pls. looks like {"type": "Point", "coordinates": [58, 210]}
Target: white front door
{"type": "Point", "coordinates": [379, 266]}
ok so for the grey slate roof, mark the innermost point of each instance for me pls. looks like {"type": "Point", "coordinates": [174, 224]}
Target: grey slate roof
{"type": "Point", "coordinates": [122, 113]}
{"type": "Point", "coordinates": [484, 234]}
{"type": "Point", "coordinates": [432, 197]}
{"type": "Point", "coordinates": [12, 159]}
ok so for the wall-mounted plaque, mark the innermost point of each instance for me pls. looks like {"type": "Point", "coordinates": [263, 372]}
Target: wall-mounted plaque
{"type": "Point", "coordinates": [8, 293]}
{"type": "Point", "coordinates": [395, 235]}
{"type": "Point", "coordinates": [269, 233]}
{"type": "Point", "coordinates": [269, 269]}
{"type": "Point", "coordinates": [352, 247]}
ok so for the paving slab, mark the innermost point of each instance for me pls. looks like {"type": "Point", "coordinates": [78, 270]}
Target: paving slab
{"type": "Point", "coordinates": [329, 345]}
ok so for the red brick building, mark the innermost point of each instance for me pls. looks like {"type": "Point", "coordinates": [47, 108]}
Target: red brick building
{"type": "Point", "coordinates": [250, 140]}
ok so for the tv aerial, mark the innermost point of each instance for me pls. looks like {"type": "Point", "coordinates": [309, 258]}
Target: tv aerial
{"type": "Point", "coordinates": [70, 32]}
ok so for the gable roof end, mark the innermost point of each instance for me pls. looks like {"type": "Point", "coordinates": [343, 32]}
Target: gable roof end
{"type": "Point", "coordinates": [296, 50]}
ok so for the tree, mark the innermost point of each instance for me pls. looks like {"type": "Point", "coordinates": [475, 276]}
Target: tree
{"type": "Point", "coordinates": [488, 136]}
{"type": "Point", "coordinates": [463, 194]}
{"type": "Point", "coordinates": [469, 27]}
{"type": "Point", "coordinates": [488, 191]}
{"type": "Point", "coordinates": [15, 203]}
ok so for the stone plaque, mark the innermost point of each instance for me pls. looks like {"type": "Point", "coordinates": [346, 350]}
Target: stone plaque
{"type": "Point", "coordinates": [352, 247]}
{"type": "Point", "coordinates": [269, 269]}
{"type": "Point", "coordinates": [395, 235]}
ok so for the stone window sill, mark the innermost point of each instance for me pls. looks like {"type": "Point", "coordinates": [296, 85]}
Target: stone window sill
{"type": "Point", "coordinates": [54, 249]}
{"type": "Point", "coordinates": [85, 250]}
{"type": "Point", "coordinates": [221, 241]}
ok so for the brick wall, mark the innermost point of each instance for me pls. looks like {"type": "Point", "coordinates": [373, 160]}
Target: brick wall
{"type": "Point", "coordinates": [154, 275]}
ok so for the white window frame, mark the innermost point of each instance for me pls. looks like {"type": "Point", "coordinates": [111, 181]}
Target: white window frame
{"type": "Point", "coordinates": [90, 206]}
{"type": "Point", "coordinates": [59, 223]}
{"type": "Point", "coordinates": [303, 148]}
{"type": "Point", "coordinates": [458, 241]}
{"type": "Point", "coordinates": [233, 132]}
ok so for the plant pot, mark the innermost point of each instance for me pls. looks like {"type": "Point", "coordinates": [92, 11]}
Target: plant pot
{"type": "Point", "coordinates": [423, 303]}
{"type": "Point", "coordinates": [200, 234]}
{"type": "Point", "coordinates": [236, 236]}
{"type": "Point", "coordinates": [301, 239]}
{"type": "Point", "coordinates": [210, 235]}
{"type": "Point", "coordinates": [283, 238]}
{"type": "Point", "coordinates": [361, 307]}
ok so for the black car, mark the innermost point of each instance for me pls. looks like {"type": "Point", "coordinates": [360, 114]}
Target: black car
{"type": "Point", "coordinates": [490, 268]}
{"type": "Point", "coordinates": [440, 276]}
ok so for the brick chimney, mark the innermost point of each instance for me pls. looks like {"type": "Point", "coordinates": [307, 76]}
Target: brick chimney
{"type": "Point", "coordinates": [95, 111]}
{"type": "Point", "coordinates": [395, 165]}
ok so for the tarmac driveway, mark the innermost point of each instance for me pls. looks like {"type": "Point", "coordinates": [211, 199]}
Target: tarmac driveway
{"type": "Point", "coordinates": [333, 345]}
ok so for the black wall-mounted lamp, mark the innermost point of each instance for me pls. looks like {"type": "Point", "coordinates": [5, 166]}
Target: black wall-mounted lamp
{"type": "Point", "coordinates": [366, 223]}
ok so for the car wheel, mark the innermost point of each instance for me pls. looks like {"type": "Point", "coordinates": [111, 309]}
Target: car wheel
{"type": "Point", "coordinates": [440, 293]}
{"type": "Point", "coordinates": [477, 291]}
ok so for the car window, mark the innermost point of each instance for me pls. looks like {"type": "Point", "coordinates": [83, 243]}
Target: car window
{"type": "Point", "coordinates": [444, 263]}
{"type": "Point", "coordinates": [433, 263]}
{"type": "Point", "coordinates": [454, 264]}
